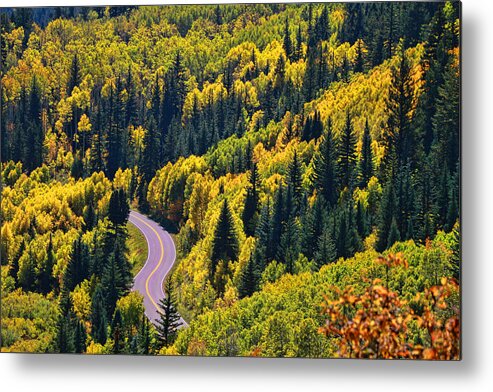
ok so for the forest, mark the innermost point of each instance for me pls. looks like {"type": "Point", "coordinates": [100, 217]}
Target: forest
{"type": "Point", "coordinates": [305, 158]}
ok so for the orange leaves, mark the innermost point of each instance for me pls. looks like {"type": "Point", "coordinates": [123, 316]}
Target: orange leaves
{"type": "Point", "coordinates": [393, 260]}
{"type": "Point", "coordinates": [377, 323]}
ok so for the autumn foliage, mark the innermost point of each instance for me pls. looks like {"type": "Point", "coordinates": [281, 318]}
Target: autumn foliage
{"type": "Point", "coordinates": [375, 324]}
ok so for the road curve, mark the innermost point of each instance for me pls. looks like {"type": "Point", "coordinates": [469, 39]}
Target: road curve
{"type": "Point", "coordinates": [160, 259]}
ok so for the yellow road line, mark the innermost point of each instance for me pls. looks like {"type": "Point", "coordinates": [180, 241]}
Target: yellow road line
{"type": "Point", "coordinates": [158, 264]}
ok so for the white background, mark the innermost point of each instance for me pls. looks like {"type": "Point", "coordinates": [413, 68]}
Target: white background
{"type": "Point", "coordinates": [473, 373]}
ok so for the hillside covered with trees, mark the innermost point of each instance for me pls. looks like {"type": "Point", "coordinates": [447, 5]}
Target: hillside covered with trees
{"type": "Point", "coordinates": [306, 157]}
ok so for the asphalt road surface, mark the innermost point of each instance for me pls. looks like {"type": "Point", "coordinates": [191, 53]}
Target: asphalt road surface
{"type": "Point", "coordinates": [160, 259]}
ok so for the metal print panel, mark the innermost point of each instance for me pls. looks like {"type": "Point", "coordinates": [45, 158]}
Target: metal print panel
{"type": "Point", "coordinates": [268, 180]}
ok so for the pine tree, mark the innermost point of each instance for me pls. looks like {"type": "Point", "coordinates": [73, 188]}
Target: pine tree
{"type": "Point", "coordinates": [218, 16]}
{"type": "Point", "coordinates": [366, 162]}
{"type": "Point", "coordinates": [289, 248]}
{"type": "Point", "coordinates": [111, 282]}
{"type": "Point", "coordinates": [347, 154]}
{"type": "Point", "coordinates": [325, 252]}
{"type": "Point", "coordinates": [313, 226]}
{"type": "Point", "coordinates": [65, 335]}
{"type": "Point", "coordinates": [311, 75]}
{"type": "Point", "coordinates": [322, 28]}
{"type": "Point", "coordinates": [169, 320]}
{"type": "Point", "coordinates": [263, 245]}
{"type": "Point", "coordinates": [98, 316]}
{"type": "Point", "coordinates": [78, 266]}
{"type": "Point", "coordinates": [287, 40]}
{"type": "Point", "coordinates": [249, 278]}
{"type": "Point", "coordinates": [401, 138]}
{"type": "Point", "coordinates": [117, 332]}
{"type": "Point", "coordinates": [360, 62]}
{"type": "Point", "coordinates": [446, 121]}
{"type": "Point", "coordinates": [151, 150]}
{"type": "Point", "coordinates": [75, 75]}
{"type": "Point", "coordinates": [298, 52]}
{"type": "Point", "coordinates": [118, 209]}
{"type": "Point", "coordinates": [294, 182]}
{"type": "Point", "coordinates": [325, 169]}
{"type": "Point", "coordinates": [35, 137]}
{"type": "Point", "coordinates": [225, 243]}
{"type": "Point", "coordinates": [131, 105]}
{"type": "Point", "coordinates": [46, 280]}
{"type": "Point", "coordinates": [97, 161]}
{"type": "Point", "coordinates": [80, 337]}
{"type": "Point", "coordinates": [277, 222]}
{"type": "Point", "coordinates": [14, 265]}
{"type": "Point", "coordinates": [386, 217]}
{"type": "Point", "coordinates": [250, 210]}
{"type": "Point", "coordinates": [394, 234]}
{"type": "Point", "coordinates": [144, 337]}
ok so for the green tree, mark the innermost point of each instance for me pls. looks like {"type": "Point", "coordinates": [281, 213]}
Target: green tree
{"type": "Point", "coordinates": [98, 316]}
{"type": "Point", "coordinates": [366, 162]}
{"type": "Point", "coordinates": [347, 154]}
{"type": "Point", "coordinates": [326, 250]}
{"type": "Point", "coordinates": [288, 46]}
{"type": "Point", "coordinates": [225, 240]}
{"type": "Point", "coordinates": [251, 206]}
{"type": "Point", "coordinates": [325, 167]}
{"type": "Point", "coordinates": [169, 320]}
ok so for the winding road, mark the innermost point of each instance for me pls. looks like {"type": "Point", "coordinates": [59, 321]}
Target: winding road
{"type": "Point", "coordinates": [160, 259]}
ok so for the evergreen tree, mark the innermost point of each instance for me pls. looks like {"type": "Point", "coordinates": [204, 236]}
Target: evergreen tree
{"type": "Point", "coordinates": [250, 210]}
{"type": "Point", "coordinates": [401, 138]}
{"type": "Point", "coordinates": [325, 252]}
{"type": "Point", "coordinates": [263, 234]}
{"type": "Point", "coordinates": [14, 265]}
{"type": "Point", "coordinates": [34, 142]}
{"type": "Point", "coordinates": [294, 183]}
{"type": "Point", "coordinates": [97, 160]}
{"type": "Point", "coordinates": [325, 169]}
{"type": "Point", "coordinates": [98, 316]}
{"type": "Point", "coordinates": [366, 162]}
{"type": "Point", "coordinates": [169, 320]}
{"type": "Point", "coordinates": [117, 333]}
{"type": "Point", "coordinates": [347, 154]}
{"type": "Point", "coordinates": [80, 337]}
{"type": "Point", "coordinates": [289, 248]}
{"type": "Point", "coordinates": [394, 234]}
{"type": "Point", "coordinates": [75, 74]}
{"type": "Point", "coordinates": [218, 16]}
{"type": "Point", "coordinates": [446, 121]}
{"type": "Point", "coordinates": [111, 283]}
{"type": "Point", "coordinates": [118, 209]}
{"type": "Point", "coordinates": [225, 243]}
{"type": "Point", "coordinates": [151, 150]}
{"type": "Point", "coordinates": [78, 266]}
{"type": "Point", "coordinates": [65, 335]}
{"type": "Point", "coordinates": [322, 28]}
{"type": "Point", "coordinates": [277, 222]}
{"type": "Point", "coordinates": [249, 278]}
{"type": "Point", "coordinates": [287, 41]}
{"type": "Point", "coordinates": [46, 279]}
{"type": "Point", "coordinates": [386, 217]}
{"type": "Point", "coordinates": [144, 337]}
{"type": "Point", "coordinates": [314, 226]}
{"type": "Point", "coordinates": [360, 62]}
{"type": "Point", "coordinates": [298, 52]}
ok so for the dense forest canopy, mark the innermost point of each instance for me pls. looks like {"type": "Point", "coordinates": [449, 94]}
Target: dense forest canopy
{"type": "Point", "coordinates": [286, 145]}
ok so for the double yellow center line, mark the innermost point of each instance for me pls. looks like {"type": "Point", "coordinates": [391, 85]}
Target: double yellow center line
{"type": "Point", "coordinates": [161, 245]}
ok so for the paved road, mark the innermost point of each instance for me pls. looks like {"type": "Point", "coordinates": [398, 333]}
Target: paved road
{"type": "Point", "coordinates": [160, 259]}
